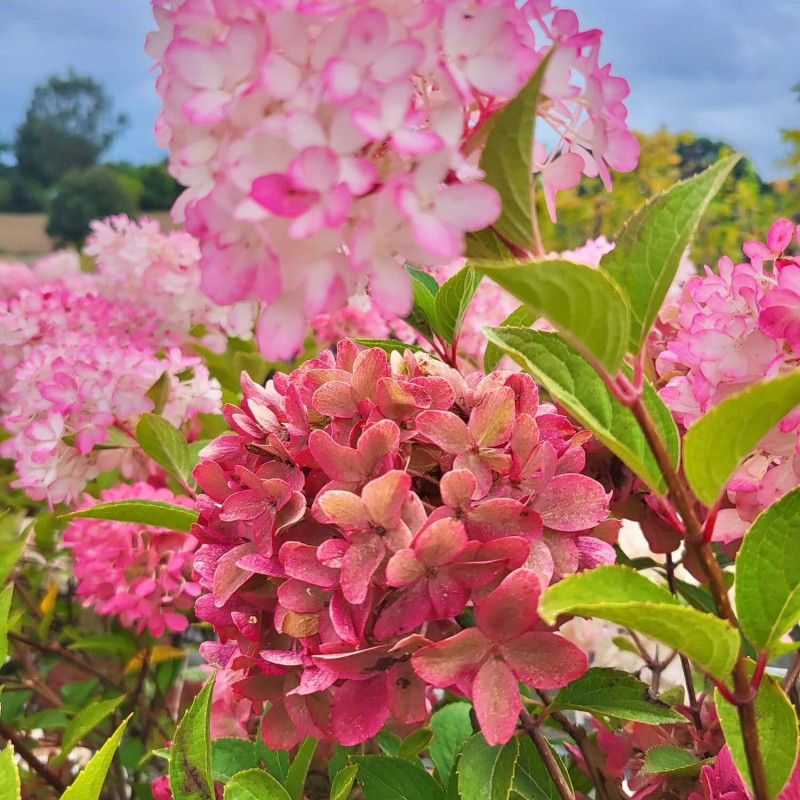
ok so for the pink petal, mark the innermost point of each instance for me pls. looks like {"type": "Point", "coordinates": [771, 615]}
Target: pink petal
{"type": "Point", "coordinates": [339, 463]}
{"type": "Point", "coordinates": [544, 659]}
{"type": "Point", "coordinates": [404, 568]}
{"type": "Point", "coordinates": [572, 503]}
{"type": "Point", "coordinates": [384, 498]}
{"type": "Point", "coordinates": [780, 235]}
{"type": "Point", "coordinates": [300, 561]}
{"type": "Point", "coordinates": [501, 517]}
{"type": "Point", "coordinates": [436, 237]}
{"type": "Point", "coordinates": [378, 447]}
{"type": "Point", "coordinates": [468, 206]}
{"type": "Point", "coordinates": [359, 710]}
{"type": "Point", "coordinates": [446, 430]}
{"type": "Point", "coordinates": [403, 613]}
{"type": "Point", "coordinates": [345, 509]}
{"type": "Point", "coordinates": [334, 399]}
{"type": "Point", "coordinates": [491, 422]}
{"type": "Point", "coordinates": [448, 595]}
{"type": "Point", "coordinates": [457, 488]}
{"type": "Point", "coordinates": [359, 564]}
{"type": "Point", "coordinates": [407, 699]}
{"type": "Point", "coordinates": [446, 663]}
{"type": "Point", "coordinates": [277, 194]}
{"type": "Point", "coordinates": [441, 542]}
{"type": "Point", "coordinates": [495, 695]}
{"type": "Point", "coordinates": [511, 609]}
{"type": "Point", "coordinates": [281, 328]}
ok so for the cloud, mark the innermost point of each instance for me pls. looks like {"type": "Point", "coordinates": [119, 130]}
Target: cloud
{"type": "Point", "coordinates": [719, 68]}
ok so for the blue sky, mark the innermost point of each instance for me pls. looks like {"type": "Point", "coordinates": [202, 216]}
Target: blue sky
{"type": "Point", "coordinates": [721, 68]}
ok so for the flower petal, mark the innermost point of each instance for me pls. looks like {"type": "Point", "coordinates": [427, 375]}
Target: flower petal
{"type": "Point", "coordinates": [511, 609]}
{"type": "Point", "coordinates": [544, 659]}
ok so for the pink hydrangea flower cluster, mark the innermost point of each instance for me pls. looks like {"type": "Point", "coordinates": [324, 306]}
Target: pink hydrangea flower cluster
{"type": "Point", "coordinates": [138, 573]}
{"type": "Point", "coordinates": [63, 265]}
{"type": "Point", "coordinates": [160, 274]}
{"type": "Point", "coordinates": [323, 144]}
{"type": "Point", "coordinates": [358, 508]}
{"type": "Point", "coordinates": [67, 398]}
{"type": "Point", "coordinates": [732, 328]}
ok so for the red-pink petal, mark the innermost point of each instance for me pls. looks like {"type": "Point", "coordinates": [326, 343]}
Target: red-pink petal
{"type": "Point", "coordinates": [359, 564]}
{"type": "Point", "coordinates": [501, 517]}
{"type": "Point", "coordinates": [359, 710]}
{"type": "Point", "coordinates": [492, 420]}
{"type": "Point", "coordinates": [457, 488]}
{"type": "Point", "coordinates": [544, 660]}
{"type": "Point", "coordinates": [572, 503]}
{"type": "Point", "coordinates": [495, 695]}
{"type": "Point", "coordinates": [511, 609]}
{"type": "Point", "coordinates": [384, 498]}
{"type": "Point", "coordinates": [339, 463]}
{"type": "Point", "coordinates": [404, 568]}
{"type": "Point", "coordinates": [405, 612]}
{"type": "Point", "coordinates": [445, 430]}
{"type": "Point", "coordinates": [406, 694]}
{"type": "Point", "coordinates": [344, 509]}
{"type": "Point", "coordinates": [447, 662]}
{"type": "Point", "coordinates": [441, 542]}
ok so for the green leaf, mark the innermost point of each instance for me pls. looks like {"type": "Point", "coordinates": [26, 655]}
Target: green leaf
{"type": "Point", "coordinates": [388, 742]}
{"type": "Point", "coordinates": [253, 784]}
{"type": "Point", "coordinates": [89, 783]}
{"type": "Point", "coordinates": [768, 574]}
{"type": "Point", "coordinates": [571, 380]}
{"type": "Point", "coordinates": [414, 744]}
{"type": "Point", "coordinates": [9, 555]}
{"type": "Point", "coordinates": [668, 760]}
{"type": "Point", "coordinates": [452, 300]}
{"type": "Point", "coordinates": [5, 607]}
{"type": "Point", "coordinates": [521, 317]}
{"type": "Point", "coordinates": [486, 244]}
{"type": "Point", "coordinates": [296, 777]}
{"type": "Point", "coordinates": [696, 596]}
{"type": "Point", "coordinates": [619, 594]}
{"type": "Point", "coordinates": [116, 438]}
{"type": "Point", "coordinates": [532, 780]}
{"type": "Point", "coordinates": [165, 444]}
{"type": "Point", "coordinates": [276, 761]}
{"type": "Point", "coordinates": [388, 778]}
{"type": "Point", "coordinates": [83, 723]}
{"type": "Point", "coordinates": [650, 245]}
{"type": "Point", "coordinates": [190, 755]}
{"type": "Point", "coordinates": [485, 772]}
{"type": "Point", "coordinates": [145, 512]}
{"type": "Point", "coordinates": [391, 345]}
{"type": "Point", "coordinates": [339, 759]}
{"type": "Point", "coordinates": [9, 774]}
{"type": "Point", "coordinates": [613, 693]}
{"type": "Point", "coordinates": [110, 644]}
{"type": "Point", "coordinates": [776, 724]}
{"type": "Point", "coordinates": [423, 313]}
{"type": "Point", "coordinates": [507, 162]}
{"type": "Point", "coordinates": [585, 304]}
{"type": "Point", "coordinates": [721, 438]}
{"type": "Point", "coordinates": [625, 644]}
{"type": "Point", "coordinates": [451, 726]}
{"type": "Point", "coordinates": [342, 783]}
{"type": "Point", "coordinates": [229, 756]}
{"type": "Point", "coordinates": [159, 392]}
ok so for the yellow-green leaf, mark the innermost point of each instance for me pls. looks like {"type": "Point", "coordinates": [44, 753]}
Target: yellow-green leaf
{"type": "Point", "coordinates": [190, 755]}
{"type": "Point", "coordinates": [145, 512]}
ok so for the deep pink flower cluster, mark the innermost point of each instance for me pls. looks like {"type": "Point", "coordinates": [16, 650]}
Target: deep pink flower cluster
{"type": "Point", "coordinates": [732, 328]}
{"type": "Point", "coordinates": [361, 505]}
{"type": "Point", "coordinates": [63, 265]}
{"type": "Point", "coordinates": [138, 573]}
{"type": "Point", "coordinates": [326, 142]}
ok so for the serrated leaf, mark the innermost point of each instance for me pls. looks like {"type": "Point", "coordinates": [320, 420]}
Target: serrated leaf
{"type": "Point", "coordinates": [521, 317]}
{"type": "Point", "coordinates": [229, 756]}
{"type": "Point", "coordinates": [145, 512]}
{"type": "Point", "coordinates": [389, 778]}
{"type": "Point", "coordinates": [571, 380]}
{"type": "Point", "coordinates": [610, 692]}
{"type": "Point", "coordinates": [584, 304]}
{"type": "Point", "coordinates": [452, 300]}
{"type": "Point", "coordinates": [83, 723]}
{"type": "Point", "coordinates": [776, 724]}
{"type": "Point", "coordinates": [5, 607]}
{"type": "Point", "coordinates": [670, 760]}
{"type": "Point", "coordinates": [507, 161]}
{"type": "Point", "coordinates": [296, 776]}
{"type": "Point", "coordinates": [715, 445]}
{"type": "Point", "coordinates": [414, 744]}
{"type": "Point", "coordinates": [342, 783]}
{"type": "Point", "coordinates": [89, 783]}
{"type": "Point", "coordinates": [253, 784]}
{"type": "Point", "coordinates": [165, 444]}
{"type": "Point", "coordinates": [451, 726]}
{"type": "Point", "coordinates": [532, 781]}
{"type": "Point", "coordinates": [276, 761]}
{"type": "Point", "coordinates": [649, 247]}
{"type": "Point", "coordinates": [390, 345]}
{"type": "Point", "coordinates": [486, 772]}
{"type": "Point", "coordinates": [159, 392]}
{"type": "Point", "coordinates": [423, 313]}
{"type": "Point", "coordinates": [9, 774]}
{"type": "Point", "coordinates": [190, 756]}
{"type": "Point", "coordinates": [768, 574]}
{"type": "Point", "coordinates": [621, 595]}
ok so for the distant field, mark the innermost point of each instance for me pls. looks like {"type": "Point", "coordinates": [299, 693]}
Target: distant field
{"type": "Point", "coordinates": [22, 235]}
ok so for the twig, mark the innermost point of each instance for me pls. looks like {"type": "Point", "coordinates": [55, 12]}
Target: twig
{"type": "Point", "coordinates": [540, 743]}
{"type": "Point", "coordinates": [695, 544]}
{"type": "Point", "coordinates": [31, 760]}
{"type": "Point", "coordinates": [790, 679]}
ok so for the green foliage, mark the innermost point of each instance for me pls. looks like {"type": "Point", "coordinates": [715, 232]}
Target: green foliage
{"type": "Point", "coordinates": [670, 760]}
{"type": "Point", "coordinates": [390, 345]}
{"type": "Point", "coordinates": [452, 300]}
{"type": "Point", "coordinates": [414, 744]}
{"type": "Point", "coordinates": [507, 161]}
{"type": "Point", "coordinates": [486, 772]}
{"type": "Point", "coordinates": [89, 783]}
{"type": "Point", "coordinates": [777, 733]}
{"type": "Point", "coordinates": [343, 782]}
{"type": "Point", "coordinates": [190, 755]}
{"type": "Point", "coordinates": [388, 778]}
{"type": "Point", "coordinates": [621, 595]}
{"type": "Point", "coordinates": [80, 197]}
{"type": "Point", "coordinates": [570, 379]}
{"type": "Point", "coordinates": [166, 445]}
{"type": "Point", "coordinates": [451, 726]}
{"type": "Point", "coordinates": [146, 512]}
{"type": "Point", "coordinates": [229, 756]}
{"type": "Point", "coordinates": [5, 606]}
{"type": "Point", "coordinates": [296, 776]}
{"type": "Point", "coordinates": [586, 305]}
{"type": "Point", "coordinates": [721, 438]}
{"type": "Point", "coordinates": [423, 313]}
{"type": "Point", "coordinates": [159, 189]}
{"type": "Point", "coordinates": [768, 574]}
{"type": "Point", "coordinates": [83, 723]}
{"type": "Point", "coordinates": [521, 317]}
{"type": "Point", "coordinates": [253, 784]}
{"type": "Point", "coordinates": [613, 693]}
{"type": "Point", "coordinates": [650, 245]}
{"type": "Point", "coordinates": [532, 780]}
{"type": "Point", "coordinates": [9, 775]}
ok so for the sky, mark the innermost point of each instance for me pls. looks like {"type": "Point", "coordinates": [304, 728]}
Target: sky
{"type": "Point", "coordinates": [719, 68]}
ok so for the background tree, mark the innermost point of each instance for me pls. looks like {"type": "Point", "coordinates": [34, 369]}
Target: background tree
{"type": "Point", "coordinates": [69, 123]}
